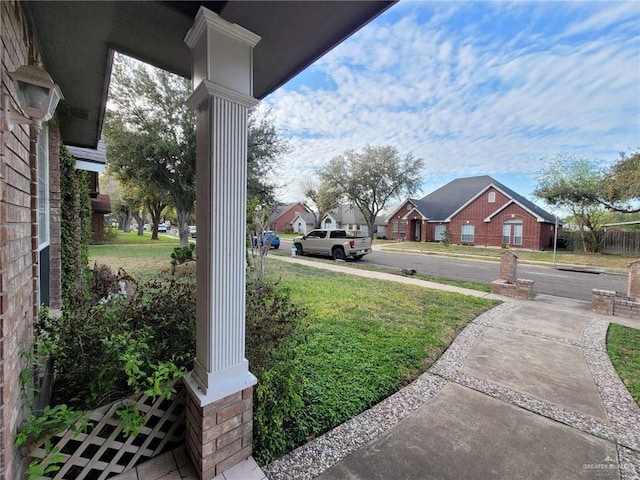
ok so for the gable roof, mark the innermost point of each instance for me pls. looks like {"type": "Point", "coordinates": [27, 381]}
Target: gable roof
{"type": "Point", "coordinates": [347, 214]}
{"type": "Point", "coordinates": [448, 200]}
{"type": "Point", "coordinates": [306, 217]}
{"type": "Point", "coordinates": [284, 208]}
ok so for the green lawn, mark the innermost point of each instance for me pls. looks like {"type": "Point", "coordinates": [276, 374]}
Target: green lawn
{"type": "Point", "coordinates": [136, 254]}
{"type": "Point", "coordinates": [117, 237]}
{"type": "Point", "coordinates": [482, 287]}
{"type": "Point", "coordinates": [367, 337]}
{"type": "Point", "coordinates": [623, 347]}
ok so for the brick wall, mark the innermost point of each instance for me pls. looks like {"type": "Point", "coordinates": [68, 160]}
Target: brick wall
{"type": "Point", "coordinates": [55, 300]}
{"type": "Point", "coordinates": [220, 434]}
{"type": "Point", "coordinates": [18, 234]}
{"type": "Point", "coordinates": [536, 235]}
{"type": "Point", "coordinates": [608, 302]}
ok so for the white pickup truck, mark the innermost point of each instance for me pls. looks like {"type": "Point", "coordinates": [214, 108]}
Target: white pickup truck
{"type": "Point", "coordinates": [333, 243]}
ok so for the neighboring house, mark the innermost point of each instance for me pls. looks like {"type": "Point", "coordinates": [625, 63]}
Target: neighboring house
{"type": "Point", "coordinates": [282, 218]}
{"type": "Point", "coordinates": [94, 161]}
{"type": "Point", "coordinates": [350, 218]}
{"type": "Point", "coordinates": [477, 211]}
{"type": "Point", "coordinates": [303, 222]}
{"type": "Point", "coordinates": [74, 42]}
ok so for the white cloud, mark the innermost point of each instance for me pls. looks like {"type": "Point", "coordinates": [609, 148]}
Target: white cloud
{"type": "Point", "coordinates": [454, 89]}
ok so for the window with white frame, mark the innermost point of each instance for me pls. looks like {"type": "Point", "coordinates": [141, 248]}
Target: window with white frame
{"type": "Point", "coordinates": [327, 224]}
{"type": "Point", "coordinates": [512, 230]}
{"type": "Point", "coordinates": [439, 233]}
{"type": "Point", "coordinates": [467, 233]}
{"type": "Point", "coordinates": [394, 226]}
{"type": "Point", "coordinates": [43, 188]}
{"type": "Point", "coordinates": [492, 197]}
{"type": "Point", "coordinates": [403, 227]}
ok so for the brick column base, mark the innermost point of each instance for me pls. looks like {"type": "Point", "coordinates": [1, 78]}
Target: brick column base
{"type": "Point", "coordinates": [522, 289]}
{"type": "Point", "coordinates": [219, 435]}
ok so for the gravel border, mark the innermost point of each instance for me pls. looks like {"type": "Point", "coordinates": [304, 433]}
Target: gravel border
{"type": "Point", "coordinates": [315, 457]}
{"type": "Point", "coordinates": [622, 409]}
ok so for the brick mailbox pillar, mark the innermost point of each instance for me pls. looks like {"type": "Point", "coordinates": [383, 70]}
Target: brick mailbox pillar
{"type": "Point", "coordinates": [220, 387]}
{"type": "Point", "coordinates": [633, 289]}
{"type": "Point", "coordinates": [508, 266]}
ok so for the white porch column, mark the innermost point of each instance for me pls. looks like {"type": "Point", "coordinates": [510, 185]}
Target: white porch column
{"type": "Point", "coordinates": [219, 420]}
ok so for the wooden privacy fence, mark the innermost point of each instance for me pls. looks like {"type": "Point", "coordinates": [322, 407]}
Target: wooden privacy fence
{"type": "Point", "coordinates": [104, 451]}
{"type": "Point", "coordinates": [622, 243]}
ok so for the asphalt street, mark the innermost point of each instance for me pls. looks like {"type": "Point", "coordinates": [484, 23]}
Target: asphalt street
{"type": "Point", "coordinates": [560, 283]}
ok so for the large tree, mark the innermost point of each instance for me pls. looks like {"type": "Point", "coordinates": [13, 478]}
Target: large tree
{"type": "Point", "coordinates": [620, 189]}
{"type": "Point", "coordinates": [320, 198]}
{"type": "Point", "coordinates": [264, 148]}
{"type": "Point", "coordinates": [574, 183]}
{"type": "Point", "coordinates": [370, 178]}
{"type": "Point", "coordinates": [150, 135]}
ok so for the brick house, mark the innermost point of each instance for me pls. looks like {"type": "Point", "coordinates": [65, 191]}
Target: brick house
{"type": "Point", "coordinates": [476, 211]}
{"type": "Point", "coordinates": [93, 161]}
{"type": "Point", "coordinates": [74, 42]}
{"type": "Point", "coordinates": [282, 218]}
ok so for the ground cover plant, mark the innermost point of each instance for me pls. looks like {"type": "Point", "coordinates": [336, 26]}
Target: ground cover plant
{"type": "Point", "coordinates": [366, 339]}
{"type": "Point", "coordinates": [623, 347]}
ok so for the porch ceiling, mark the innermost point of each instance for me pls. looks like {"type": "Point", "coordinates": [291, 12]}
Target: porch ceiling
{"type": "Point", "coordinates": [77, 37]}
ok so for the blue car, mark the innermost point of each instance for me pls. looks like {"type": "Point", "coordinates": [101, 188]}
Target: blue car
{"type": "Point", "coordinates": [268, 236]}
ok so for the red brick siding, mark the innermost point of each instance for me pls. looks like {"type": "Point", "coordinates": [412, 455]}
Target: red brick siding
{"type": "Point", "coordinates": [18, 235]}
{"type": "Point", "coordinates": [400, 213]}
{"type": "Point", "coordinates": [283, 221]}
{"type": "Point", "coordinates": [490, 233]}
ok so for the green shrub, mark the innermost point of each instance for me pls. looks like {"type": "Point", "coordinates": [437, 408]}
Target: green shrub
{"type": "Point", "coordinates": [99, 344]}
{"type": "Point", "coordinates": [103, 282]}
{"type": "Point", "coordinates": [275, 329]}
{"type": "Point", "coordinates": [181, 255]}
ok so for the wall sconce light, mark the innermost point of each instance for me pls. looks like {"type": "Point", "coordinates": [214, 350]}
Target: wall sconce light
{"type": "Point", "coordinates": [38, 97]}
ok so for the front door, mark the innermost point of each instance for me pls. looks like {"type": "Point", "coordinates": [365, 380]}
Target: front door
{"type": "Point", "coordinates": [417, 231]}
{"type": "Point", "coordinates": [512, 233]}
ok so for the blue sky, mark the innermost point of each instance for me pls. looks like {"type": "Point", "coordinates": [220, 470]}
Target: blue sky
{"type": "Point", "coordinates": [473, 88]}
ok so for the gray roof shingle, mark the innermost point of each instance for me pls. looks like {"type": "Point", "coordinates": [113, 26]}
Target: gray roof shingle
{"type": "Point", "coordinates": [445, 201]}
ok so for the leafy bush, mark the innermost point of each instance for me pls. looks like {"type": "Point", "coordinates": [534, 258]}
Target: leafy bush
{"type": "Point", "coordinates": [103, 282]}
{"type": "Point", "coordinates": [115, 348]}
{"type": "Point", "coordinates": [275, 329]}
{"type": "Point", "coordinates": [446, 238]}
{"type": "Point", "coordinates": [181, 255]}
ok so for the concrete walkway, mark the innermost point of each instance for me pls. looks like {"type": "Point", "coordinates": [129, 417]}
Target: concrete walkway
{"type": "Point", "coordinates": [526, 391]}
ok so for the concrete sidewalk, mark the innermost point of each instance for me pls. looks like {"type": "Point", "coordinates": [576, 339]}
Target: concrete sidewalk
{"type": "Point", "coordinates": [526, 391]}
